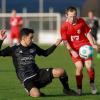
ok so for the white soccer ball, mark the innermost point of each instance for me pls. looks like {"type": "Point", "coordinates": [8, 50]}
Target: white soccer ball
{"type": "Point", "coordinates": [86, 51]}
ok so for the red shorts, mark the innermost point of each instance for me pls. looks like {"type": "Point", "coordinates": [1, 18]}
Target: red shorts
{"type": "Point", "coordinates": [79, 59]}
{"type": "Point", "coordinates": [15, 34]}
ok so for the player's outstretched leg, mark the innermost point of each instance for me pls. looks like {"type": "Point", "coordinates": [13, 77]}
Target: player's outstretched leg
{"type": "Point", "coordinates": [61, 74]}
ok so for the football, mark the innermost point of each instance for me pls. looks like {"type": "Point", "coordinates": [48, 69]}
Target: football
{"type": "Point", "coordinates": [86, 51]}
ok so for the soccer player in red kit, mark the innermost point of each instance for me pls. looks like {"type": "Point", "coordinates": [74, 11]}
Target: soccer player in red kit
{"type": "Point", "coordinates": [75, 33]}
{"type": "Point", "coordinates": [15, 23]}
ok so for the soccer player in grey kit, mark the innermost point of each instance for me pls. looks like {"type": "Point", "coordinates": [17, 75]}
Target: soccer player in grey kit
{"type": "Point", "coordinates": [30, 75]}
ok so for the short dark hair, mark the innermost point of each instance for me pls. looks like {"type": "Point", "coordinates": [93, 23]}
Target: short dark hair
{"type": "Point", "coordinates": [26, 32]}
{"type": "Point", "coordinates": [71, 9]}
{"type": "Point", "coordinates": [91, 11]}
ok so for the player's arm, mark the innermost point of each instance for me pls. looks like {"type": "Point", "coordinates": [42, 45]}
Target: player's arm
{"type": "Point", "coordinates": [64, 37]}
{"type": "Point", "coordinates": [2, 36]}
{"type": "Point", "coordinates": [87, 31]}
{"type": "Point", "coordinates": [7, 50]}
{"type": "Point", "coordinates": [90, 38]}
{"type": "Point", "coordinates": [92, 41]}
{"type": "Point", "coordinates": [67, 45]}
{"type": "Point", "coordinates": [49, 50]}
{"type": "Point", "coordinates": [96, 24]}
{"type": "Point", "coordinates": [65, 41]}
{"type": "Point", "coordinates": [20, 21]}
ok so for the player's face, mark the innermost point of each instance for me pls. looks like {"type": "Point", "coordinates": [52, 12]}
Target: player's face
{"type": "Point", "coordinates": [90, 15]}
{"type": "Point", "coordinates": [28, 39]}
{"type": "Point", "coordinates": [71, 17]}
{"type": "Point", "coordinates": [13, 13]}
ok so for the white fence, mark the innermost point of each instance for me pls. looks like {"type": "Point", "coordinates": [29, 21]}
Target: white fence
{"type": "Point", "coordinates": [46, 25]}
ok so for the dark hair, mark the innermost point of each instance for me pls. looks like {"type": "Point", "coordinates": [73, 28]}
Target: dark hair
{"type": "Point", "coordinates": [26, 32]}
{"type": "Point", "coordinates": [71, 9]}
{"type": "Point", "coordinates": [91, 11]}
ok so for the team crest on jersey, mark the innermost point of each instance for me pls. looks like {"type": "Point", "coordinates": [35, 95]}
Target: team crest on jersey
{"type": "Point", "coordinates": [78, 31]}
{"type": "Point", "coordinates": [32, 50]}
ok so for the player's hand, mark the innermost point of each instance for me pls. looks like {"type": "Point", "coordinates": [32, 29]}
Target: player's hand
{"type": "Point", "coordinates": [58, 42]}
{"type": "Point", "coordinates": [74, 53]}
{"type": "Point", "coordinates": [95, 47]}
{"type": "Point", "coordinates": [2, 34]}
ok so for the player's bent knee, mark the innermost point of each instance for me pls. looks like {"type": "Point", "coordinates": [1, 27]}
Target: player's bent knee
{"type": "Point", "coordinates": [34, 92]}
{"type": "Point", "coordinates": [58, 72]}
{"type": "Point", "coordinates": [79, 69]}
{"type": "Point", "coordinates": [62, 71]}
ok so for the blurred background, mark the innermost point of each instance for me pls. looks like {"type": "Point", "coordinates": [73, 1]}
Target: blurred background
{"type": "Point", "coordinates": [45, 16]}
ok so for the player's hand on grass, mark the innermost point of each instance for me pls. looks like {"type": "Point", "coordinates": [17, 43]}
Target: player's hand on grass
{"type": "Point", "coordinates": [58, 42]}
{"type": "Point", "coordinates": [74, 53]}
{"type": "Point", "coordinates": [2, 34]}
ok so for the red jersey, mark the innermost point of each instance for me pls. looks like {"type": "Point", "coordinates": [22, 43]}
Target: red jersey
{"type": "Point", "coordinates": [75, 34]}
{"type": "Point", "coordinates": [15, 22]}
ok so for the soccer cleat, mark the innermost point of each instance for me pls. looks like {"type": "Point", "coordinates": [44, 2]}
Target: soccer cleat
{"type": "Point", "coordinates": [93, 88]}
{"type": "Point", "coordinates": [69, 92]}
{"type": "Point", "coordinates": [79, 92]}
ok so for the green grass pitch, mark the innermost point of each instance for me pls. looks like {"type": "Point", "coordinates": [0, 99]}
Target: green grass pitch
{"type": "Point", "coordinates": [11, 89]}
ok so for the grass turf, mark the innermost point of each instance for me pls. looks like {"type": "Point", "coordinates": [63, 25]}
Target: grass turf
{"type": "Point", "coordinates": [11, 89]}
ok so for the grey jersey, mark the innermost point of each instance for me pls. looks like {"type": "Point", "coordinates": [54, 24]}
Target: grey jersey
{"type": "Point", "coordinates": [24, 59]}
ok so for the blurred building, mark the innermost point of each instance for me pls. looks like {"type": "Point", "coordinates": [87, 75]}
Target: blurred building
{"type": "Point", "coordinates": [91, 5]}
{"type": "Point", "coordinates": [33, 5]}
{"type": "Point", "coordinates": [56, 5]}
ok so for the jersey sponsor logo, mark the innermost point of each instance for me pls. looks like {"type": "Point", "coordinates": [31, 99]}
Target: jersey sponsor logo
{"type": "Point", "coordinates": [74, 38]}
{"type": "Point", "coordinates": [26, 60]}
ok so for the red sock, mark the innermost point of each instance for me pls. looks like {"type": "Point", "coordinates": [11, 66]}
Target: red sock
{"type": "Point", "coordinates": [79, 81]}
{"type": "Point", "coordinates": [91, 74]}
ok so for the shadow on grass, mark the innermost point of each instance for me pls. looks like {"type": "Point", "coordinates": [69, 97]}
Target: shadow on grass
{"type": "Point", "coordinates": [86, 94]}
{"type": "Point", "coordinates": [55, 95]}
{"type": "Point", "coordinates": [62, 95]}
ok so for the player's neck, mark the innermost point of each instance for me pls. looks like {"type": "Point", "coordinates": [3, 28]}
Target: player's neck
{"type": "Point", "coordinates": [23, 43]}
{"type": "Point", "coordinates": [73, 23]}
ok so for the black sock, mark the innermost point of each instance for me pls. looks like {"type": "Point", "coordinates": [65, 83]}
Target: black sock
{"type": "Point", "coordinates": [64, 81]}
